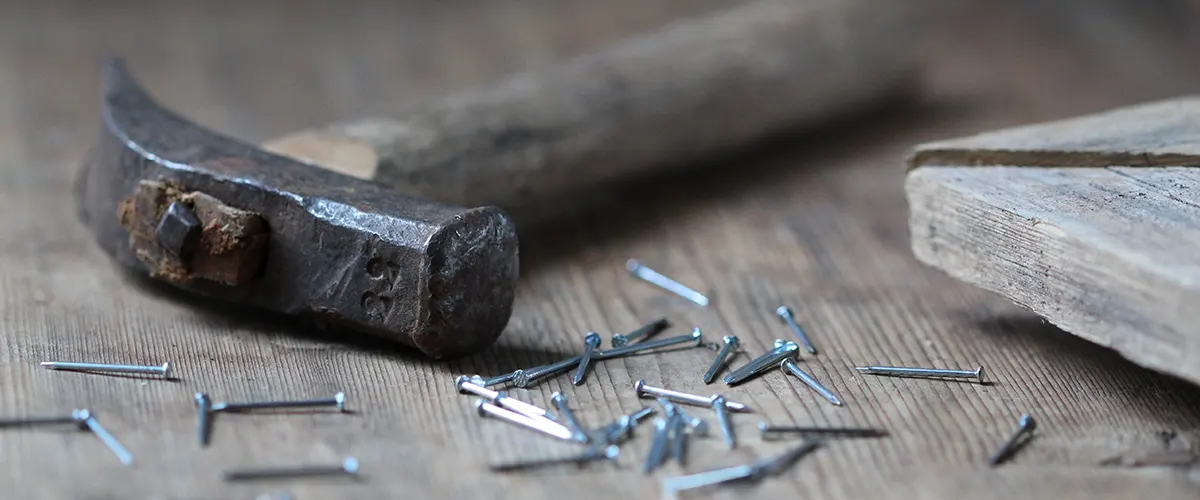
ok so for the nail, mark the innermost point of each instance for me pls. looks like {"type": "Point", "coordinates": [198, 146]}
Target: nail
{"type": "Point", "coordinates": [523, 378]}
{"type": "Point", "coordinates": [790, 366]}
{"type": "Point", "coordinates": [751, 472]}
{"type": "Point", "coordinates": [647, 331]}
{"type": "Point", "coordinates": [616, 432]}
{"type": "Point", "coordinates": [718, 406]}
{"type": "Point", "coordinates": [658, 447]}
{"type": "Point", "coordinates": [348, 467]}
{"type": "Point", "coordinates": [164, 370]}
{"type": "Point", "coordinates": [543, 426]}
{"type": "Point", "coordinates": [1026, 425]}
{"type": "Point", "coordinates": [678, 424]}
{"type": "Point", "coordinates": [592, 455]}
{"type": "Point", "coordinates": [786, 315]}
{"type": "Point", "coordinates": [696, 337]}
{"type": "Point", "coordinates": [109, 440]}
{"type": "Point", "coordinates": [466, 385]}
{"type": "Point", "coordinates": [708, 478]}
{"type": "Point", "coordinates": [654, 277]}
{"type": "Point", "coordinates": [203, 417]}
{"type": "Point", "coordinates": [591, 342]}
{"type": "Point", "coordinates": [494, 381]}
{"type": "Point", "coordinates": [698, 426]}
{"type": "Point", "coordinates": [771, 359]}
{"type": "Point", "coordinates": [179, 231]}
{"type": "Point", "coordinates": [785, 459]}
{"type": "Point", "coordinates": [338, 400]}
{"type": "Point", "coordinates": [564, 410]}
{"type": "Point", "coordinates": [621, 429]}
{"type": "Point", "coordinates": [644, 390]}
{"type": "Point", "coordinates": [73, 418]}
{"type": "Point", "coordinates": [679, 439]}
{"type": "Point", "coordinates": [899, 371]}
{"type": "Point", "coordinates": [731, 344]}
{"type": "Point", "coordinates": [640, 415]}
{"type": "Point", "coordinates": [859, 432]}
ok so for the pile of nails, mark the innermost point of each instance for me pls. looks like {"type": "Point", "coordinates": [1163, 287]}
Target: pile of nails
{"type": "Point", "coordinates": [86, 420]}
{"type": "Point", "coordinates": [675, 427]}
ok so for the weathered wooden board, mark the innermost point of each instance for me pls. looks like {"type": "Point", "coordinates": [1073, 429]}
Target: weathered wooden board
{"type": "Point", "coordinates": [1108, 250]}
{"type": "Point", "coordinates": [816, 221]}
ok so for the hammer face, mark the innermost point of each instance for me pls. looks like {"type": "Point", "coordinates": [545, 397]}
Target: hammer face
{"type": "Point", "coordinates": [224, 219]}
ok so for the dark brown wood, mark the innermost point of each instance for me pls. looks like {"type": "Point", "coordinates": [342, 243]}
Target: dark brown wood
{"type": "Point", "coordinates": [663, 99]}
{"type": "Point", "coordinates": [1091, 222]}
{"type": "Point", "coordinates": [816, 221]}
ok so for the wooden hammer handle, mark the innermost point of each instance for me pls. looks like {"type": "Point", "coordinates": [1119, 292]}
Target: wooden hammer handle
{"type": "Point", "coordinates": [665, 98]}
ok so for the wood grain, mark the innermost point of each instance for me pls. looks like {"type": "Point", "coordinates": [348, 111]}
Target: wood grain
{"type": "Point", "coordinates": [816, 220]}
{"type": "Point", "coordinates": [663, 99]}
{"type": "Point", "coordinates": [1106, 251]}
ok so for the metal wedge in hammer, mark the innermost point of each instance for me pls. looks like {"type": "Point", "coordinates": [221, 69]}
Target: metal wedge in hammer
{"type": "Point", "coordinates": [366, 252]}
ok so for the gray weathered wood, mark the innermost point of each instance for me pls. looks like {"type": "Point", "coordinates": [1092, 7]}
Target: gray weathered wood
{"type": "Point", "coordinates": [1108, 250]}
{"type": "Point", "coordinates": [816, 221]}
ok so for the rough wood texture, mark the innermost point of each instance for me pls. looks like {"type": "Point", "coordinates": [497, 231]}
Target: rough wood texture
{"type": "Point", "coordinates": [1107, 252]}
{"type": "Point", "coordinates": [817, 221]}
{"type": "Point", "coordinates": [696, 87]}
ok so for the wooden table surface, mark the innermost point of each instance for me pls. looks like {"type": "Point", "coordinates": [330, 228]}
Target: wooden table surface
{"type": "Point", "coordinates": [815, 220]}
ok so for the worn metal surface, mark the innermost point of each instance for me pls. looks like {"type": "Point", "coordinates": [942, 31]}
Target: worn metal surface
{"type": "Point", "coordinates": [288, 237]}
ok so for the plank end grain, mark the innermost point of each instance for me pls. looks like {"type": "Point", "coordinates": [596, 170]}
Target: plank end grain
{"type": "Point", "coordinates": [1063, 218]}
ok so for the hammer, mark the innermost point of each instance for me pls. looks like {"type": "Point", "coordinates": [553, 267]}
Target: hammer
{"type": "Point", "coordinates": [354, 244]}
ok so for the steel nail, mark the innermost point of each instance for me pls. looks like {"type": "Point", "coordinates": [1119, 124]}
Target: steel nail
{"type": "Point", "coordinates": [348, 467]}
{"type": "Point", "coordinates": [641, 414]}
{"type": "Point", "coordinates": [494, 381]}
{"type": "Point", "coordinates": [648, 330]}
{"type": "Point", "coordinates": [900, 371]}
{"type": "Point", "coordinates": [109, 440]}
{"type": "Point", "coordinates": [203, 417]}
{"type": "Point", "coordinates": [591, 342]}
{"type": "Point", "coordinates": [790, 366]}
{"type": "Point", "coordinates": [679, 439]}
{"type": "Point", "coordinates": [338, 400]}
{"type": "Point", "coordinates": [1025, 427]}
{"type": "Point", "coordinates": [467, 385]}
{"type": "Point", "coordinates": [591, 455]}
{"type": "Point", "coordinates": [644, 390]}
{"type": "Point", "coordinates": [615, 432]}
{"type": "Point", "coordinates": [779, 463]}
{"type": "Point", "coordinates": [658, 447]}
{"type": "Point", "coordinates": [858, 432]}
{"type": "Point", "coordinates": [754, 471]}
{"type": "Point", "coordinates": [163, 371]}
{"type": "Point", "coordinates": [757, 365]}
{"type": "Point", "coordinates": [524, 378]}
{"type": "Point", "coordinates": [654, 277]}
{"type": "Point", "coordinates": [37, 421]}
{"type": "Point", "coordinates": [722, 411]}
{"type": "Point", "coordinates": [543, 426]}
{"type": "Point", "coordinates": [731, 344]}
{"type": "Point", "coordinates": [696, 337]}
{"type": "Point", "coordinates": [707, 478]}
{"type": "Point", "coordinates": [697, 425]}
{"type": "Point", "coordinates": [763, 360]}
{"type": "Point", "coordinates": [786, 315]}
{"type": "Point", "coordinates": [578, 433]}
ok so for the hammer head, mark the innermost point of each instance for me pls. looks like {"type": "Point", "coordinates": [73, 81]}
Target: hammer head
{"type": "Point", "coordinates": [291, 237]}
